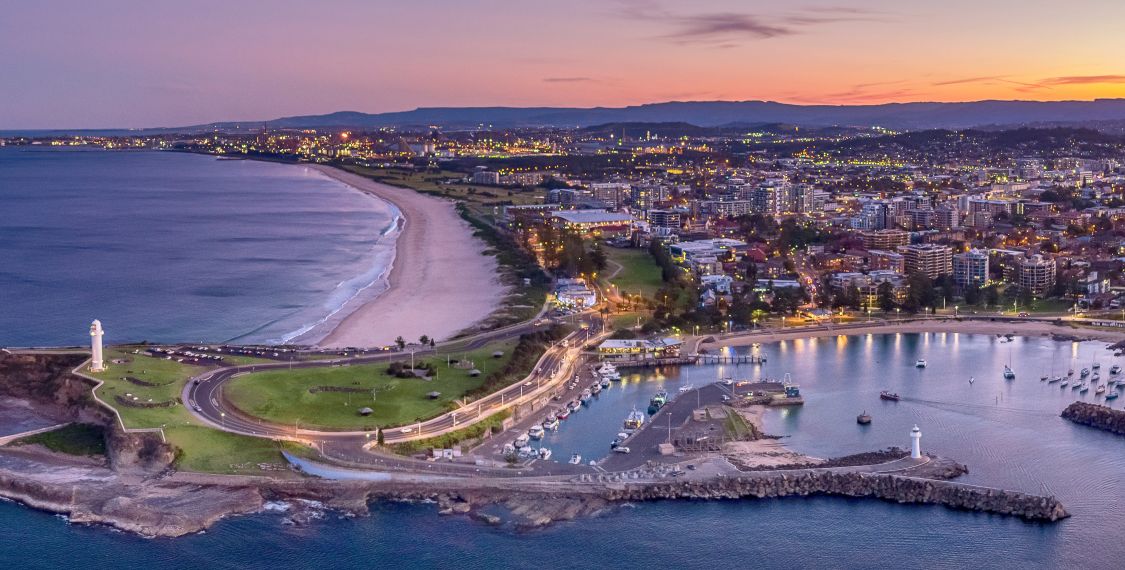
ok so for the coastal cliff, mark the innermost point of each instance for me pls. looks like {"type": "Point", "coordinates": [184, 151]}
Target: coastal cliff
{"type": "Point", "coordinates": [1093, 415]}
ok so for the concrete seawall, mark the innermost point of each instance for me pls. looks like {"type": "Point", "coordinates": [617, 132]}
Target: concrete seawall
{"type": "Point", "coordinates": [1093, 415]}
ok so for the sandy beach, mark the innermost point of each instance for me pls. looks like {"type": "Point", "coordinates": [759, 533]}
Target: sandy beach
{"type": "Point", "coordinates": [1024, 328]}
{"type": "Point", "coordinates": [440, 282]}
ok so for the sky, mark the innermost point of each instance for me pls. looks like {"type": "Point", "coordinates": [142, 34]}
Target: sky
{"type": "Point", "coordinates": [150, 63]}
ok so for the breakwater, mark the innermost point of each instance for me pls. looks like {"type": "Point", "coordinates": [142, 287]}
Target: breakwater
{"type": "Point", "coordinates": [888, 487]}
{"type": "Point", "coordinates": [1093, 415]}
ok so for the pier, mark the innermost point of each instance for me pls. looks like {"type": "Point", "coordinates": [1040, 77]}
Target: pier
{"type": "Point", "coordinates": [731, 359]}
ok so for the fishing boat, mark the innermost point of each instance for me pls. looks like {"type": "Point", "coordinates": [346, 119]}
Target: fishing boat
{"type": "Point", "coordinates": [1100, 390]}
{"type": "Point", "coordinates": [536, 432]}
{"type": "Point", "coordinates": [584, 398]}
{"type": "Point", "coordinates": [544, 453]}
{"type": "Point", "coordinates": [634, 421]}
{"type": "Point", "coordinates": [575, 459]}
{"type": "Point", "coordinates": [885, 395]}
{"type": "Point", "coordinates": [1008, 373]}
{"type": "Point", "coordinates": [863, 419]}
{"type": "Point", "coordinates": [1111, 396]}
{"type": "Point", "coordinates": [920, 363]}
{"type": "Point", "coordinates": [1115, 369]}
{"type": "Point", "coordinates": [551, 423]}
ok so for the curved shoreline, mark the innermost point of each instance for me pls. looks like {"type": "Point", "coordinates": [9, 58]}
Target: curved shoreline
{"type": "Point", "coordinates": [439, 281]}
{"type": "Point", "coordinates": [1030, 328]}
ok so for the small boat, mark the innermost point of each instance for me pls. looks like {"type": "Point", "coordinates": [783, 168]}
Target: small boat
{"type": "Point", "coordinates": [551, 423]}
{"type": "Point", "coordinates": [521, 441]}
{"type": "Point", "coordinates": [1070, 372]}
{"type": "Point", "coordinates": [864, 418]}
{"type": "Point", "coordinates": [885, 395]}
{"type": "Point", "coordinates": [585, 397]}
{"type": "Point", "coordinates": [634, 421]}
{"type": "Point", "coordinates": [544, 453]}
{"type": "Point", "coordinates": [1111, 395]}
{"type": "Point", "coordinates": [606, 368]}
{"type": "Point", "coordinates": [972, 379]}
{"type": "Point", "coordinates": [621, 449]}
{"type": "Point", "coordinates": [1077, 386]}
{"type": "Point", "coordinates": [575, 459]}
{"type": "Point", "coordinates": [536, 432]}
{"type": "Point", "coordinates": [686, 388]}
{"type": "Point", "coordinates": [1085, 372]}
{"type": "Point", "coordinates": [1064, 383]}
{"type": "Point", "coordinates": [1055, 379]}
{"type": "Point", "coordinates": [563, 414]}
{"type": "Point", "coordinates": [920, 363]}
{"type": "Point", "coordinates": [1115, 369]}
{"type": "Point", "coordinates": [604, 383]}
{"type": "Point", "coordinates": [1043, 378]}
{"type": "Point", "coordinates": [617, 441]}
{"type": "Point", "coordinates": [1096, 365]}
{"type": "Point", "coordinates": [1100, 390]}
{"type": "Point", "coordinates": [574, 406]}
{"type": "Point", "coordinates": [1008, 373]}
{"type": "Point", "coordinates": [1084, 389]}
{"type": "Point", "coordinates": [595, 388]}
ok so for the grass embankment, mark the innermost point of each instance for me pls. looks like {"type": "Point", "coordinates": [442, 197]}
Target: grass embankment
{"type": "Point", "coordinates": [146, 392]}
{"type": "Point", "coordinates": [72, 439]}
{"type": "Point", "coordinates": [639, 275]}
{"type": "Point", "coordinates": [491, 423]}
{"type": "Point", "coordinates": [332, 397]}
{"type": "Point", "coordinates": [447, 183]}
{"type": "Point", "coordinates": [524, 301]}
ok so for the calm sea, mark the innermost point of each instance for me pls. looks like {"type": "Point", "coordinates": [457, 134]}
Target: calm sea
{"type": "Point", "coordinates": [1008, 433]}
{"type": "Point", "coordinates": [168, 246]}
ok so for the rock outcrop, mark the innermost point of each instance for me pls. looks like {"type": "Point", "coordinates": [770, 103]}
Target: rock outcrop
{"type": "Point", "coordinates": [1093, 415]}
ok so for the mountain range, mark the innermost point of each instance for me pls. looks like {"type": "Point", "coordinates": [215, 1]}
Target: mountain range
{"type": "Point", "coordinates": [899, 116]}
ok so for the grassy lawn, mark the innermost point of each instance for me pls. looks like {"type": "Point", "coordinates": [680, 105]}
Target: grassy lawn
{"type": "Point", "coordinates": [640, 274]}
{"type": "Point", "coordinates": [212, 451]}
{"type": "Point", "coordinates": [167, 378]}
{"type": "Point", "coordinates": [433, 183]}
{"type": "Point", "coordinates": [284, 396]}
{"type": "Point", "coordinates": [72, 439]}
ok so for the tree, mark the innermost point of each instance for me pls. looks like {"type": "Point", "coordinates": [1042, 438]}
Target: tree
{"type": "Point", "coordinates": [973, 295]}
{"type": "Point", "coordinates": [991, 295]}
{"type": "Point", "coordinates": [379, 437]}
{"type": "Point", "coordinates": [424, 340]}
{"type": "Point", "coordinates": [886, 293]}
{"type": "Point", "coordinates": [401, 342]}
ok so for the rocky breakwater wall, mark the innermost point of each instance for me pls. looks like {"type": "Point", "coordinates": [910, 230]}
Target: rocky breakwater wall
{"type": "Point", "coordinates": [1093, 415]}
{"type": "Point", "coordinates": [888, 487]}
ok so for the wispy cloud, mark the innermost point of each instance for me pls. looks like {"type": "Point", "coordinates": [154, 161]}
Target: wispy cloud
{"type": "Point", "coordinates": [727, 29]}
{"type": "Point", "coordinates": [1083, 79]}
{"type": "Point", "coordinates": [569, 79]}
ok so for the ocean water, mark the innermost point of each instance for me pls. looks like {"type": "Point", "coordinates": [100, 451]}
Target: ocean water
{"type": "Point", "coordinates": [166, 246]}
{"type": "Point", "coordinates": [1007, 432]}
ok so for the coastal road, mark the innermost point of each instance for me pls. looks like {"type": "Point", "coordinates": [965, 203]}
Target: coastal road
{"type": "Point", "coordinates": [204, 398]}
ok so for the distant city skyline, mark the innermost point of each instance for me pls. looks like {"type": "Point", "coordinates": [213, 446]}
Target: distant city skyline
{"type": "Point", "coordinates": [120, 63]}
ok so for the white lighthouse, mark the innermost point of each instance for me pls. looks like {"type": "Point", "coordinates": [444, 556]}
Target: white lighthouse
{"type": "Point", "coordinates": [916, 443]}
{"type": "Point", "coordinates": [97, 363]}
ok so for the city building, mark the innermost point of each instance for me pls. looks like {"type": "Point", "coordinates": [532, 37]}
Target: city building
{"type": "Point", "coordinates": [1037, 274]}
{"type": "Point", "coordinates": [970, 269]}
{"type": "Point", "coordinates": [930, 259]}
